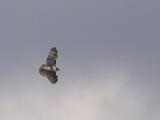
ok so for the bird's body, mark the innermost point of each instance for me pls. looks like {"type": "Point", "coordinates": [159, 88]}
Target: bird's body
{"type": "Point", "coordinates": [49, 69]}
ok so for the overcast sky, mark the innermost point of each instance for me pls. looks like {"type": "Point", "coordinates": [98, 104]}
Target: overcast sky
{"type": "Point", "coordinates": [109, 59]}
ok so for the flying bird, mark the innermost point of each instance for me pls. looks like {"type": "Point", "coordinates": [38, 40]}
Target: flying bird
{"type": "Point", "coordinates": [49, 69]}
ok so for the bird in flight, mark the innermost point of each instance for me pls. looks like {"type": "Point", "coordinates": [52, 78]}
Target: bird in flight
{"type": "Point", "coordinates": [49, 69]}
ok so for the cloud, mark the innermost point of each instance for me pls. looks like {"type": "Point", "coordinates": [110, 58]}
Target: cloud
{"type": "Point", "coordinates": [99, 100]}
{"type": "Point", "coordinates": [107, 94]}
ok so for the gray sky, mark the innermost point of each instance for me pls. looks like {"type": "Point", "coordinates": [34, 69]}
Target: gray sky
{"type": "Point", "coordinates": [108, 57]}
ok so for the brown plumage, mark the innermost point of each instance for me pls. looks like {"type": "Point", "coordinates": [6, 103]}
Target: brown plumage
{"type": "Point", "coordinates": [49, 69]}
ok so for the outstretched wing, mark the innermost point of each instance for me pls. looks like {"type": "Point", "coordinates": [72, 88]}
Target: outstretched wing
{"type": "Point", "coordinates": [52, 56]}
{"type": "Point", "coordinates": [52, 77]}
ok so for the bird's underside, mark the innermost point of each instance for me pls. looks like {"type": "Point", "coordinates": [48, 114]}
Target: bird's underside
{"type": "Point", "coordinates": [49, 69]}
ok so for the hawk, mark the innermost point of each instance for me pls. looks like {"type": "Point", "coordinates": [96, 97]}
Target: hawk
{"type": "Point", "coordinates": [49, 69]}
